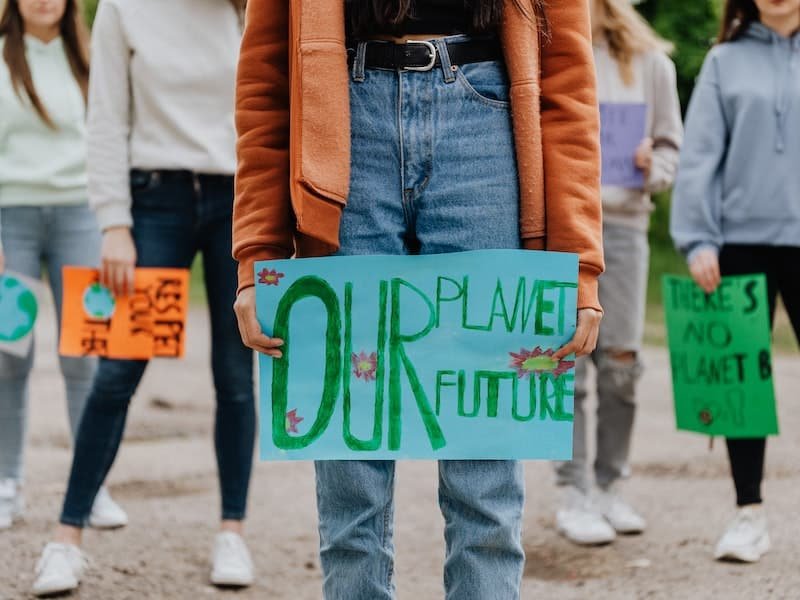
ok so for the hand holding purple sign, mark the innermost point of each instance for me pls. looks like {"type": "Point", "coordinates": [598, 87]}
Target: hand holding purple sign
{"type": "Point", "coordinates": [622, 129]}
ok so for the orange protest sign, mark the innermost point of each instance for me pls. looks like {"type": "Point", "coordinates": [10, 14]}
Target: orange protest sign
{"type": "Point", "coordinates": [149, 323]}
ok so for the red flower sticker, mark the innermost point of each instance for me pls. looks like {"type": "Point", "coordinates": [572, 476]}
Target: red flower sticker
{"type": "Point", "coordinates": [292, 421]}
{"type": "Point", "coordinates": [538, 361]}
{"type": "Point", "coordinates": [269, 277]}
{"type": "Point", "coordinates": [364, 365]}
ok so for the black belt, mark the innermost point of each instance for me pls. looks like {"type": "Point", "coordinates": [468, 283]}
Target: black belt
{"type": "Point", "coordinates": [147, 176]}
{"type": "Point", "coordinates": [424, 56]}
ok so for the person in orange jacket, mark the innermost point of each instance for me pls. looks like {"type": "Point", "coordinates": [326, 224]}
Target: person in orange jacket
{"type": "Point", "coordinates": [399, 127]}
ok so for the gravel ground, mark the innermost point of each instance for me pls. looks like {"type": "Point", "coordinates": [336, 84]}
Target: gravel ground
{"type": "Point", "coordinates": [165, 478]}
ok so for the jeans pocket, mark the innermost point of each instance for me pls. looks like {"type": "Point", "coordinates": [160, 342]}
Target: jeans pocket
{"type": "Point", "coordinates": [486, 82]}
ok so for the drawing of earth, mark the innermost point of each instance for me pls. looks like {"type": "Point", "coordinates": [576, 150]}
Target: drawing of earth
{"type": "Point", "coordinates": [18, 309]}
{"type": "Point", "coordinates": [98, 302]}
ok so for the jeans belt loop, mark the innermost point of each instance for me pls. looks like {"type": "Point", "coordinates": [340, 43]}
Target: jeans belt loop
{"type": "Point", "coordinates": [448, 70]}
{"type": "Point", "coordinates": [196, 184]}
{"type": "Point", "coordinates": [359, 63]}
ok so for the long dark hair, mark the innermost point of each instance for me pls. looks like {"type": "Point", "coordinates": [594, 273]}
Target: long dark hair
{"type": "Point", "coordinates": [76, 44]}
{"type": "Point", "coordinates": [239, 6]}
{"type": "Point", "coordinates": [736, 18]}
{"type": "Point", "coordinates": [389, 14]}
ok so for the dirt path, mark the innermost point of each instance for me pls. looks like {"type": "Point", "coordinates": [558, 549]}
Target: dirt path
{"type": "Point", "coordinates": [165, 478]}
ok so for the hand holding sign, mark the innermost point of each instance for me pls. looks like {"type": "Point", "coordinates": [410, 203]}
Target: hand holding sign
{"type": "Point", "coordinates": [119, 261]}
{"type": "Point", "coordinates": [705, 269]}
{"type": "Point", "coordinates": [643, 159]}
{"type": "Point", "coordinates": [250, 330]}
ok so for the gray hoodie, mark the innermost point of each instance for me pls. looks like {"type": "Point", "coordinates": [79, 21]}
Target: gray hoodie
{"type": "Point", "coordinates": [739, 174]}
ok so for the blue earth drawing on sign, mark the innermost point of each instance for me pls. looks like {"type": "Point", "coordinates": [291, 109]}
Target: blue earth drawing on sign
{"type": "Point", "coordinates": [18, 309]}
{"type": "Point", "coordinates": [98, 302]}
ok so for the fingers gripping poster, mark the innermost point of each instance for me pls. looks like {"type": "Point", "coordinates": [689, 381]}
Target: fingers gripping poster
{"type": "Point", "coordinates": [427, 357]}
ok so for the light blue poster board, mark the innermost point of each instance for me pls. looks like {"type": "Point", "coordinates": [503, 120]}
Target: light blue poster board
{"type": "Point", "coordinates": [426, 357]}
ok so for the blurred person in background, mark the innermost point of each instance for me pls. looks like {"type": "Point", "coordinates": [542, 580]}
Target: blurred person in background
{"type": "Point", "coordinates": [44, 215]}
{"type": "Point", "coordinates": [632, 67]}
{"type": "Point", "coordinates": [736, 205]}
{"type": "Point", "coordinates": [162, 154]}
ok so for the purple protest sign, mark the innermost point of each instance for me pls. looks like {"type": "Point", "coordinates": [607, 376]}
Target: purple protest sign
{"type": "Point", "coordinates": [622, 128]}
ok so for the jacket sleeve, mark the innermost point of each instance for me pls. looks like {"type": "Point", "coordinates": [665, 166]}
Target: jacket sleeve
{"type": "Point", "coordinates": [667, 131]}
{"type": "Point", "coordinates": [263, 222]}
{"type": "Point", "coordinates": [571, 143]}
{"type": "Point", "coordinates": [696, 218]}
{"type": "Point", "coordinates": [108, 120]}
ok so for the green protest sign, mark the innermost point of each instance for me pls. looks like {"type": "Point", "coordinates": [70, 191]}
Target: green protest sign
{"type": "Point", "coordinates": [720, 355]}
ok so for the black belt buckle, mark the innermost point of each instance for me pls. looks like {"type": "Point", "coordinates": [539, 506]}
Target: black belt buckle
{"type": "Point", "coordinates": [432, 51]}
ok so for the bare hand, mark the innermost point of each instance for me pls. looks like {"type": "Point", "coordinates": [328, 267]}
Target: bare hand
{"type": "Point", "coordinates": [705, 269]}
{"type": "Point", "coordinates": [119, 261]}
{"type": "Point", "coordinates": [644, 156]}
{"type": "Point", "coordinates": [585, 339]}
{"type": "Point", "coordinates": [249, 327]}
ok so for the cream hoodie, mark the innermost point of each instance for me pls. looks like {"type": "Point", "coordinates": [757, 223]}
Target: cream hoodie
{"type": "Point", "coordinates": [161, 94]}
{"type": "Point", "coordinates": [655, 85]}
{"type": "Point", "coordinates": [39, 165]}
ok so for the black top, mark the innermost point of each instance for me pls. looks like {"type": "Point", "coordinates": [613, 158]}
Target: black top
{"type": "Point", "coordinates": [446, 17]}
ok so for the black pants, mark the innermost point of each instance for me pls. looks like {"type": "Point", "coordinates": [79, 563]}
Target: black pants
{"type": "Point", "coordinates": [781, 265]}
{"type": "Point", "coordinates": [174, 218]}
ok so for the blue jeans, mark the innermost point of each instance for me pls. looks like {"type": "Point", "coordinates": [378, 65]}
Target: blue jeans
{"type": "Point", "coordinates": [433, 171]}
{"type": "Point", "coordinates": [173, 220]}
{"type": "Point", "coordinates": [59, 236]}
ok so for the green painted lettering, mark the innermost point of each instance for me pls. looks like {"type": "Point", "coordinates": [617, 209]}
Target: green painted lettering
{"type": "Point", "coordinates": [306, 287]}
{"type": "Point", "coordinates": [398, 360]}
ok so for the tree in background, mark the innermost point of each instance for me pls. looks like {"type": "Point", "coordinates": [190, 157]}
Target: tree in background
{"type": "Point", "coordinates": [691, 25]}
{"type": "Point", "coordinates": [89, 9]}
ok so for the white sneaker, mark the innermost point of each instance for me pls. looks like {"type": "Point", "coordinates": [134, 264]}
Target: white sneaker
{"type": "Point", "coordinates": [746, 538]}
{"type": "Point", "coordinates": [12, 504]}
{"type": "Point", "coordinates": [232, 565]}
{"type": "Point", "coordinates": [580, 523]}
{"type": "Point", "coordinates": [59, 569]}
{"type": "Point", "coordinates": [106, 514]}
{"type": "Point", "coordinates": [619, 514]}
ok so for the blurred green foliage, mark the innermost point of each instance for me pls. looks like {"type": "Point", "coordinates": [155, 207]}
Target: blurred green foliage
{"type": "Point", "coordinates": [692, 26]}
{"type": "Point", "coordinates": [89, 9]}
